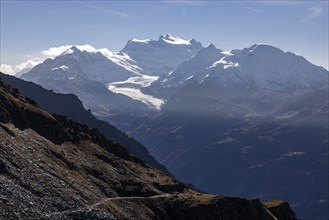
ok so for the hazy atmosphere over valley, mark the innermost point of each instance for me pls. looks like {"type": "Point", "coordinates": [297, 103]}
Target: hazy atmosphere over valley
{"type": "Point", "coordinates": [164, 110]}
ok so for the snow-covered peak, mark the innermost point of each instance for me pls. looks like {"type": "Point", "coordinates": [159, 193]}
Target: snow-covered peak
{"type": "Point", "coordinates": [266, 67]}
{"type": "Point", "coordinates": [145, 41]}
{"type": "Point", "coordinates": [118, 58]}
{"type": "Point", "coordinates": [193, 66]}
{"type": "Point", "coordinates": [85, 61]}
{"type": "Point", "coordinates": [78, 49]}
{"type": "Point", "coordinates": [259, 66]}
{"type": "Point", "coordinates": [171, 39]}
{"type": "Point", "coordinates": [157, 57]}
{"type": "Point", "coordinates": [263, 49]}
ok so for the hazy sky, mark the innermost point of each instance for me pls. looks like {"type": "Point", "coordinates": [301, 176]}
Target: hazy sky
{"type": "Point", "coordinates": [29, 27]}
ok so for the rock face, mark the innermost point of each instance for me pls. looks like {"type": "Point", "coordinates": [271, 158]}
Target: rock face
{"type": "Point", "coordinates": [54, 168]}
{"type": "Point", "coordinates": [280, 209]}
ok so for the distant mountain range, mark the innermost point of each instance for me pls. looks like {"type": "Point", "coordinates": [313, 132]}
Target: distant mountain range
{"type": "Point", "coordinates": [230, 122]}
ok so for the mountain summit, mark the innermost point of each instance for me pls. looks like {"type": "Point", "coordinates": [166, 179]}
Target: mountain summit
{"type": "Point", "coordinates": [157, 57]}
{"type": "Point", "coordinates": [171, 39]}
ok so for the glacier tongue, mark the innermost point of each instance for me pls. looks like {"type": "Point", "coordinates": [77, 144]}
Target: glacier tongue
{"type": "Point", "coordinates": [131, 88]}
{"type": "Point", "coordinates": [136, 94]}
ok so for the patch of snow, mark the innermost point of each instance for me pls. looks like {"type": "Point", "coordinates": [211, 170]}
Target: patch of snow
{"type": "Point", "coordinates": [63, 67]}
{"type": "Point", "coordinates": [225, 63]}
{"type": "Point", "coordinates": [141, 41]}
{"type": "Point", "coordinates": [123, 60]}
{"type": "Point", "coordinates": [227, 66]}
{"type": "Point", "coordinates": [221, 61]}
{"type": "Point", "coordinates": [230, 65]}
{"type": "Point", "coordinates": [190, 77]}
{"type": "Point", "coordinates": [138, 95]}
{"type": "Point", "coordinates": [171, 39]}
{"type": "Point", "coordinates": [291, 154]}
{"type": "Point", "coordinates": [87, 48]}
{"type": "Point", "coordinates": [227, 53]}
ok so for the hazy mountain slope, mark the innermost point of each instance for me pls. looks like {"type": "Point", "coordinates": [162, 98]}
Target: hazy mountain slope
{"type": "Point", "coordinates": [70, 106]}
{"type": "Point", "coordinates": [55, 168]}
{"type": "Point", "coordinates": [201, 140]}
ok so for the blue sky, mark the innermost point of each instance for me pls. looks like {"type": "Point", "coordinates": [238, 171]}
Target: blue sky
{"type": "Point", "coordinates": [29, 27]}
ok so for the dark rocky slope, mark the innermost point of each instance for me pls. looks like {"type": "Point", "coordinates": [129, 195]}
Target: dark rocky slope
{"type": "Point", "coordinates": [70, 106]}
{"type": "Point", "coordinates": [54, 168]}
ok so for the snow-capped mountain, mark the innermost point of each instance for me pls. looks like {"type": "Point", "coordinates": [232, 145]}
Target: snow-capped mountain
{"type": "Point", "coordinates": [117, 71]}
{"type": "Point", "coordinates": [102, 66]}
{"type": "Point", "coordinates": [157, 57]}
{"type": "Point", "coordinates": [87, 74]}
{"type": "Point", "coordinates": [266, 67]}
{"type": "Point", "coordinates": [167, 83]}
{"type": "Point", "coordinates": [259, 66]}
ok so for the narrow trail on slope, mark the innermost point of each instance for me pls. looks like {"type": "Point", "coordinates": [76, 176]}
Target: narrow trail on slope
{"type": "Point", "coordinates": [94, 205]}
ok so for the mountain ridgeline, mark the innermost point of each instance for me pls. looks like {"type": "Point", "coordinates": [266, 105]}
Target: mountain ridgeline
{"type": "Point", "coordinates": [256, 116]}
{"type": "Point", "coordinates": [54, 168]}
